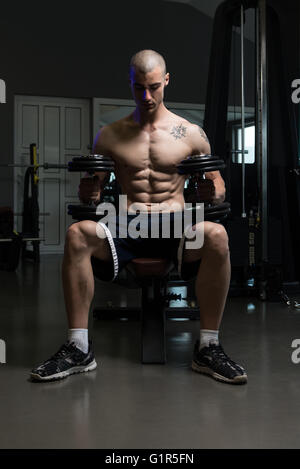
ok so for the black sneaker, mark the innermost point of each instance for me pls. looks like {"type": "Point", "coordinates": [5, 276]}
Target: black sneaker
{"type": "Point", "coordinates": [67, 361]}
{"type": "Point", "coordinates": [213, 361]}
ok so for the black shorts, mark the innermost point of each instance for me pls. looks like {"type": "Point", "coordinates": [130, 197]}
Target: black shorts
{"type": "Point", "coordinates": [124, 249]}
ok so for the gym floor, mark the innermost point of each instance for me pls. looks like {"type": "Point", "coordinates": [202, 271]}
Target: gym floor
{"type": "Point", "coordinates": [124, 404]}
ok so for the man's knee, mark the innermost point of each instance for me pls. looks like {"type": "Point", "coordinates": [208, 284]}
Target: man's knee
{"type": "Point", "coordinates": [75, 237]}
{"type": "Point", "coordinates": [89, 238]}
{"type": "Point", "coordinates": [216, 240]}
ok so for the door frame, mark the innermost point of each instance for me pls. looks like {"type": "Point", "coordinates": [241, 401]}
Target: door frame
{"type": "Point", "coordinates": [41, 100]}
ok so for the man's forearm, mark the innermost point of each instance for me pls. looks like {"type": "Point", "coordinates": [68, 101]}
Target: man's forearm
{"type": "Point", "coordinates": [103, 178]}
{"type": "Point", "coordinates": [220, 191]}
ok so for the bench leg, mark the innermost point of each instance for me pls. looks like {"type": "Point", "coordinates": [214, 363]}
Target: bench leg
{"type": "Point", "coordinates": [153, 323]}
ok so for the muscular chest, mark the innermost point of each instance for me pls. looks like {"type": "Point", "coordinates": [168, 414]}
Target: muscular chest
{"type": "Point", "coordinates": [159, 151]}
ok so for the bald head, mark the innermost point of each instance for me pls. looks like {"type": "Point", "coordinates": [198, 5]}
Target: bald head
{"type": "Point", "coordinates": [146, 61]}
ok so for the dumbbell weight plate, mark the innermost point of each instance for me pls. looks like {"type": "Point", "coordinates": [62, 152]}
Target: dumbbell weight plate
{"type": "Point", "coordinates": [217, 212]}
{"type": "Point", "coordinates": [212, 212]}
{"type": "Point", "coordinates": [84, 212]}
{"type": "Point", "coordinates": [197, 163]}
{"type": "Point", "coordinates": [91, 163]}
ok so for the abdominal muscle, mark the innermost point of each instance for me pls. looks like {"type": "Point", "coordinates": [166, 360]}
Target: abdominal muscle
{"type": "Point", "coordinates": [162, 194]}
{"type": "Point", "coordinates": [165, 205]}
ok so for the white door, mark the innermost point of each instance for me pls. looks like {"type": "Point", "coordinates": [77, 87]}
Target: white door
{"type": "Point", "coordinates": [60, 128]}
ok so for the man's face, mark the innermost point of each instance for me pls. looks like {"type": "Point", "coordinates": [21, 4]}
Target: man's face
{"type": "Point", "coordinates": [148, 89]}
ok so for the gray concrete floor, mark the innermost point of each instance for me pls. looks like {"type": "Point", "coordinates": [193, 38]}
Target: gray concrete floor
{"type": "Point", "coordinates": [124, 404]}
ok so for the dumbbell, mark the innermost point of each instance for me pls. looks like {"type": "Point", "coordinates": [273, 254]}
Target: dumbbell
{"type": "Point", "coordinates": [90, 164]}
{"type": "Point", "coordinates": [196, 166]}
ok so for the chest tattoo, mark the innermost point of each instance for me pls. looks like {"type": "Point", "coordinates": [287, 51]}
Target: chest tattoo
{"type": "Point", "coordinates": [203, 134]}
{"type": "Point", "coordinates": [179, 132]}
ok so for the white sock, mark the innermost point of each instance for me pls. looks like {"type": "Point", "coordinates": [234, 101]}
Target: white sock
{"type": "Point", "coordinates": [207, 337]}
{"type": "Point", "coordinates": [80, 338]}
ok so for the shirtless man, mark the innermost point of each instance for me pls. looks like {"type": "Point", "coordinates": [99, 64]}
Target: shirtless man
{"type": "Point", "coordinates": [146, 147]}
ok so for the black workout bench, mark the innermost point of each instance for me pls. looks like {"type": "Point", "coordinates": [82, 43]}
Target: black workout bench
{"type": "Point", "coordinates": [151, 275]}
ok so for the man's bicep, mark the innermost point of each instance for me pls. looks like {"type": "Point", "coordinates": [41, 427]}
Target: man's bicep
{"type": "Point", "coordinates": [201, 145]}
{"type": "Point", "coordinates": [203, 134]}
{"type": "Point", "coordinates": [98, 145]}
{"type": "Point", "coordinates": [102, 143]}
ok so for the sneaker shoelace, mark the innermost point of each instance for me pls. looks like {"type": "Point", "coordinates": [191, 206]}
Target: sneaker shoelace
{"type": "Point", "coordinates": [62, 352]}
{"type": "Point", "coordinates": [220, 356]}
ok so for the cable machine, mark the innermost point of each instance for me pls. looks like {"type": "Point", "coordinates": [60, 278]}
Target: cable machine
{"type": "Point", "coordinates": [277, 218]}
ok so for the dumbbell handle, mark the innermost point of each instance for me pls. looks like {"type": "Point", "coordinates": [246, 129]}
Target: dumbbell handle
{"type": "Point", "coordinates": [91, 175]}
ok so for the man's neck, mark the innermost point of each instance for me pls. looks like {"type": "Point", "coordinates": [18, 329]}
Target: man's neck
{"type": "Point", "coordinates": [145, 119]}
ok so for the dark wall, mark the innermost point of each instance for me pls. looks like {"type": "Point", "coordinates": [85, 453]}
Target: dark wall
{"type": "Point", "coordinates": [83, 51]}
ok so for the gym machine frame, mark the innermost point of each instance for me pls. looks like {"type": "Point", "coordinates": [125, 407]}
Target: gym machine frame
{"type": "Point", "coordinates": [268, 33]}
{"type": "Point", "coordinates": [30, 214]}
